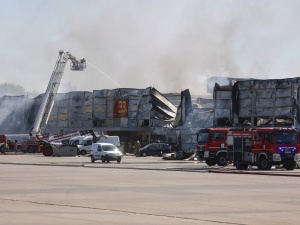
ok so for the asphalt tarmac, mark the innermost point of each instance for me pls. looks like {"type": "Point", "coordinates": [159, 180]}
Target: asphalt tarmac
{"type": "Point", "coordinates": [142, 190]}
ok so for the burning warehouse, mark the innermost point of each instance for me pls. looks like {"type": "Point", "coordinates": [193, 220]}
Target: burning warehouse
{"type": "Point", "coordinates": [148, 115]}
{"type": "Point", "coordinates": [259, 102]}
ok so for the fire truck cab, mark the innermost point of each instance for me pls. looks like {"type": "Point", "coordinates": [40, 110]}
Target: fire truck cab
{"type": "Point", "coordinates": [212, 146]}
{"type": "Point", "coordinates": [263, 147]}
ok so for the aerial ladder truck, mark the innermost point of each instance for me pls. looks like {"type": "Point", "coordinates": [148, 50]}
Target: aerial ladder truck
{"type": "Point", "coordinates": [49, 97]}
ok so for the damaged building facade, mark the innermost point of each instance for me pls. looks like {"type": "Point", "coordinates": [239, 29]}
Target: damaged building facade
{"type": "Point", "coordinates": [132, 114]}
{"type": "Point", "coordinates": [257, 103]}
{"type": "Point", "coordinates": [148, 116]}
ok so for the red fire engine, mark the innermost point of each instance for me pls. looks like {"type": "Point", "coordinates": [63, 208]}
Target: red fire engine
{"type": "Point", "coordinates": [214, 141]}
{"type": "Point", "coordinates": [263, 147]}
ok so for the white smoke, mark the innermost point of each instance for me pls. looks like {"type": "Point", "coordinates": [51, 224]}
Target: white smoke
{"type": "Point", "coordinates": [171, 45]}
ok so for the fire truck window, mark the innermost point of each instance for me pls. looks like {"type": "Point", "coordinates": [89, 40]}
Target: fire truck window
{"type": "Point", "coordinates": [202, 137]}
{"type": "Point", "coordinates": [215, 136]}
{"type": "Point", "coordinates": [268, 137]}
{"type": "Point", "coordinates": [258, 136]}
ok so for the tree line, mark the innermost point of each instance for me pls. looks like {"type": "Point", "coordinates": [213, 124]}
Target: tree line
{"type": "Point", "coordinates": [11, 89]}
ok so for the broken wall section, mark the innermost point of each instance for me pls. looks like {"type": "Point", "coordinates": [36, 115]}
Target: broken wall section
{"type": "Point", "coordinates": [15, 112]}
{"type": "Point", "coordinates": [266, 102]}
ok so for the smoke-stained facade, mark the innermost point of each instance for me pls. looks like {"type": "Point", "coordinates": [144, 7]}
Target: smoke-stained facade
{"type": "Point", "coordinates": [15, 114]}
{"type": "Point", "coordinates": [132, 114]}
{"type": "Point", "coordinates": [148, 115]}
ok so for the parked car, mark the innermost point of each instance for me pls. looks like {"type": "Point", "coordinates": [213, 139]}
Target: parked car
{"type": "Point", "coordinates": [105, 152]}
{"type": "Point", "coordinates": [155, 149]}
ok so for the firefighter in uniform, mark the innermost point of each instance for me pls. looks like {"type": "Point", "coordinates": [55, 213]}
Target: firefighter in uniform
{"type": "Point", "coordinates": [137, 149]}
{"type": "Point", "coordinates": [4, 148]}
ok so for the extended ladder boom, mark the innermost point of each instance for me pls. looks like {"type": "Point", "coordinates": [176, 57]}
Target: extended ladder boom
{"type": "Point", "coordinates": [50, 94]}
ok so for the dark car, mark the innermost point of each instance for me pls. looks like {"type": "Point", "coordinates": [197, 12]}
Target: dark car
{"type": "Point", "coordinates": [155, 149]}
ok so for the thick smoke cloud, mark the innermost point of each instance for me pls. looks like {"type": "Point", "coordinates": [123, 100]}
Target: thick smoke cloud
{"type": "Point", "coordinates": [170, 45]}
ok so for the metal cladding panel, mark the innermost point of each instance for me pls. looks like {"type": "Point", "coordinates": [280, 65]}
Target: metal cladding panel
{"type": "Point", "coordinates": [63, 103]}
{"type": "Point", "coordinates": [86, 116]}
{"type": "Point", "coordinates": [88, 96]}
{"type": "Point", "coordinates": [283, 111]}
{"type": "Point", "coordinates": [76, 94]}
{"type": "Point", "coordinates": [62, 123]}
{"type": "Point", "coordinates": [244, 112]}
{"type": "Point", "coordinates": [286, 92]}
{"type": "Point", "coordinates": [77, 100]}
{"type": "Point", "coordinates": [76, 124]}
{"type": "Point", "coordinates": [245, 94]}
{"type": "Point", "coordinates": [203, 123]}
{"type": "Point", "coordinates": [265, 84]}
{"type": "Point", "coordinates": [282, 102]}
{"type": "Point", "coordinates": [269, 93]}
{"type": "Point", "coordinates": [265, 103]}
{"type": "Point", "coordinates": [62, 116]}
{"type": "Point", "coordinates": [245, 103]}
{"type": "Point", "coordinates": [123, 122]}
{"type": "Point", "coordinates": [100, 101]}
{"type": "Point", "coordinates": [286, 83]}
{"type": "Point", "coordinates": [146, 91]}
{"type": "Point", "coordinates": [222, 113]}
{"type": "Point", "coordinates": [52, 117]}
{"type": "Point", "coordinates": [132, 114]}
{"type": "Point", "coordinates": [61, 96]}
{"type": "Point", "coordinates": [100, 115]}
{"type": "Point", "coordinates": [110, 109]}
{"type": "Point", "coordinates": [145, 99]}
{"type": "Point", "coordinates": [51, 127]}
{"type": "Point", "coordinates": [145, 107]}
{"type": "Point", "coordinates": [264, 112]}
{"type": "Point", "coordinates": [100, 93]}
{"type": "Point", "coordinates": [142, 115]}
{"type": "Point", "coordinates": [76, 109]}
{"type": "Point", "coordinates": [54, 110]}
{"type": "Point", "coordinates": [109, 122]}
{"type": "Point", "coordinates": [63, 110]}
{"type": "Point", "coordinates": [87, 123]}
{"type": "Point", "coordinates": [245, 85]}
{"type": "Point", "coordinates": [133, 105]}
{"type": "Point", "coordinates": [132, 122]}
{"type": "Point", "coordinates": [75, 116]}
{"type": "Point", "coordinates": [223, 104]}
{"type": "Point", "coordinates": [158, 123]}
{"type": "Point", "coordinates": [88, 109]}
{"type": "Point", "coordinates": [131, 92]}
{"type": "Point", "coordinates": [99, 108]}
{"type": "Point", "coordinates": [113, 93]}
{"type": "Point", "coordinates": [223, 95]}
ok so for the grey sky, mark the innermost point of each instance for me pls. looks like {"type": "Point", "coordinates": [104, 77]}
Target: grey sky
{"type": "Point", "coordinates": [171, 45]}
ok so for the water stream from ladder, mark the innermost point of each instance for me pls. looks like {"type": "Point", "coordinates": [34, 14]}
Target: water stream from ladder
{"type": "Point", "coordinates": [105, 75]}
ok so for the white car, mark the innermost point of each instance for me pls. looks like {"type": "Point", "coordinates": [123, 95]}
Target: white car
{"type": "Point", "coordinates": [105, 152]}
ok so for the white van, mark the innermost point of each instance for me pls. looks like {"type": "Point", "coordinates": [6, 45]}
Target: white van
{"type": "Point", "coordinates": [85, 145]}
{"type": "Point", "coordinates": [76, 140]}
{"type": "Point", "coordinates": [105, 152]}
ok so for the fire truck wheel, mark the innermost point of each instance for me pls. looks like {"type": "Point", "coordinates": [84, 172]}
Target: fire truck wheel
{"type": "Point", "coordinates": [264, 164]}
{"type": "Point", "coordinates": [47, 152]}
{"type": "Point", "coordinates": [290, 165]}
{"type": "Point", "coordinates": [210, 162]}
{"type": "Point", "coordinates": [222, 160]}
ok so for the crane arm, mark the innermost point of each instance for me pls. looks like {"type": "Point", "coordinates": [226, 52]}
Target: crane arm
{"type": "Point", "coordinates": [51, 91]}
